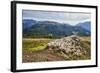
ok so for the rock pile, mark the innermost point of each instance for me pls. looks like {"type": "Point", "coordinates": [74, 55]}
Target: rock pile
{"type": "Point", "coordinates": [68, 45]}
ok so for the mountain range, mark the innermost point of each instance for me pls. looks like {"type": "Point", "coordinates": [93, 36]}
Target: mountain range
{"type": "Point", "coordinates": [41, 28]}
{"type": "Point", "coordinates": [85, 25]}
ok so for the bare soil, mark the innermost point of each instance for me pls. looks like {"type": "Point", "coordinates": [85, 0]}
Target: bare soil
{"type": "Point", "coordinates": [41, 56]}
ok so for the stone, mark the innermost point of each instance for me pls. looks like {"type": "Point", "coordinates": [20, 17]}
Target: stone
{"type": "Point", "coordinates": [70, 44]}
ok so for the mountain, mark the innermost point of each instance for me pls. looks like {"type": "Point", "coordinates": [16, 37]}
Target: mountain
{"type": "Point", "coordinates": [28, 23]}
{"type": "Point", "coordinates": [85, 25]}
{"type": "Point", "coordinates": [46, 28]}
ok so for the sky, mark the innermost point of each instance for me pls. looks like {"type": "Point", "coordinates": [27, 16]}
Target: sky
{"type": "Point", "coordinates": [71, 18]}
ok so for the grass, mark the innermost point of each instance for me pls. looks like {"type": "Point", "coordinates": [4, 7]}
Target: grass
{"type": "Point", "coordinates": [38, 48]}
{"type": "Point", "coordinates": [32, 45]}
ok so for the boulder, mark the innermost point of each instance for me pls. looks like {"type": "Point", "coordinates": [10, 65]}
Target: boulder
{"type": "Point", "coordinates": [68, 45]}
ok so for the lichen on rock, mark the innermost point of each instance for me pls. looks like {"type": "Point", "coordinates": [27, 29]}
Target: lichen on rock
{"type": "Point", "coordinates": [68, 45]}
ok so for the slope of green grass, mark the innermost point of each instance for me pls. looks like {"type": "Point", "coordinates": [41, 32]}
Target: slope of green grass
{"type": "Point", "coordinates": [32, 45]}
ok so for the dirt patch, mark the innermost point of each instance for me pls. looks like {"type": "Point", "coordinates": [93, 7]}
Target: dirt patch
{"type": "Point", "coordinates": [41, 56]}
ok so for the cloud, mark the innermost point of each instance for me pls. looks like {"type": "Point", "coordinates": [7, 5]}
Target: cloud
{"type": "Point", "coordinates": [63, 17]}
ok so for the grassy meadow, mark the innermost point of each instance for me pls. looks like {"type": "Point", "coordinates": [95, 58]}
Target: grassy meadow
{"type": "Point", "coordinates": [34, 50]}
{"type": "Point", "coordinates": [35, 44]}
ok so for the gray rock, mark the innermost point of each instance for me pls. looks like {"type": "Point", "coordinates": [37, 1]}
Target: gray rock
{"type": "Point", "coordinates": [70, 44]}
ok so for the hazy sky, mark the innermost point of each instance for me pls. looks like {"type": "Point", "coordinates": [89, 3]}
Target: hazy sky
{"type": "Point", "coordinates": [62, 17]}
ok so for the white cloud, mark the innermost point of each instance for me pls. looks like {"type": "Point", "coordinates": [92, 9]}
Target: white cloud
{"type": "Point", "coordinates": [62, 17]}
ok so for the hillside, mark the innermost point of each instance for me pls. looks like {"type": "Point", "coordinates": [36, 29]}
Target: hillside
{"type": "Point", "coordinates": [85, 25]}
{"type": "Point", "coordinates": [45, 28]}
{"type": "Point", "coordinates": [27, 23]}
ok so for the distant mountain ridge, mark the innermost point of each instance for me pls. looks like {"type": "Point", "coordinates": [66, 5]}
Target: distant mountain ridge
{"type": "Point", "coordinates": [28, 23]}
{"type": "Point", "coordinates": [39, 28]}
{"type": "Point", "coordinates": [85, 25]}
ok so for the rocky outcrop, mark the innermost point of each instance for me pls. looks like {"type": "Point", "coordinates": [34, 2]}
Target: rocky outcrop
{"type": "Point", "coordinates": [68, 45]}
